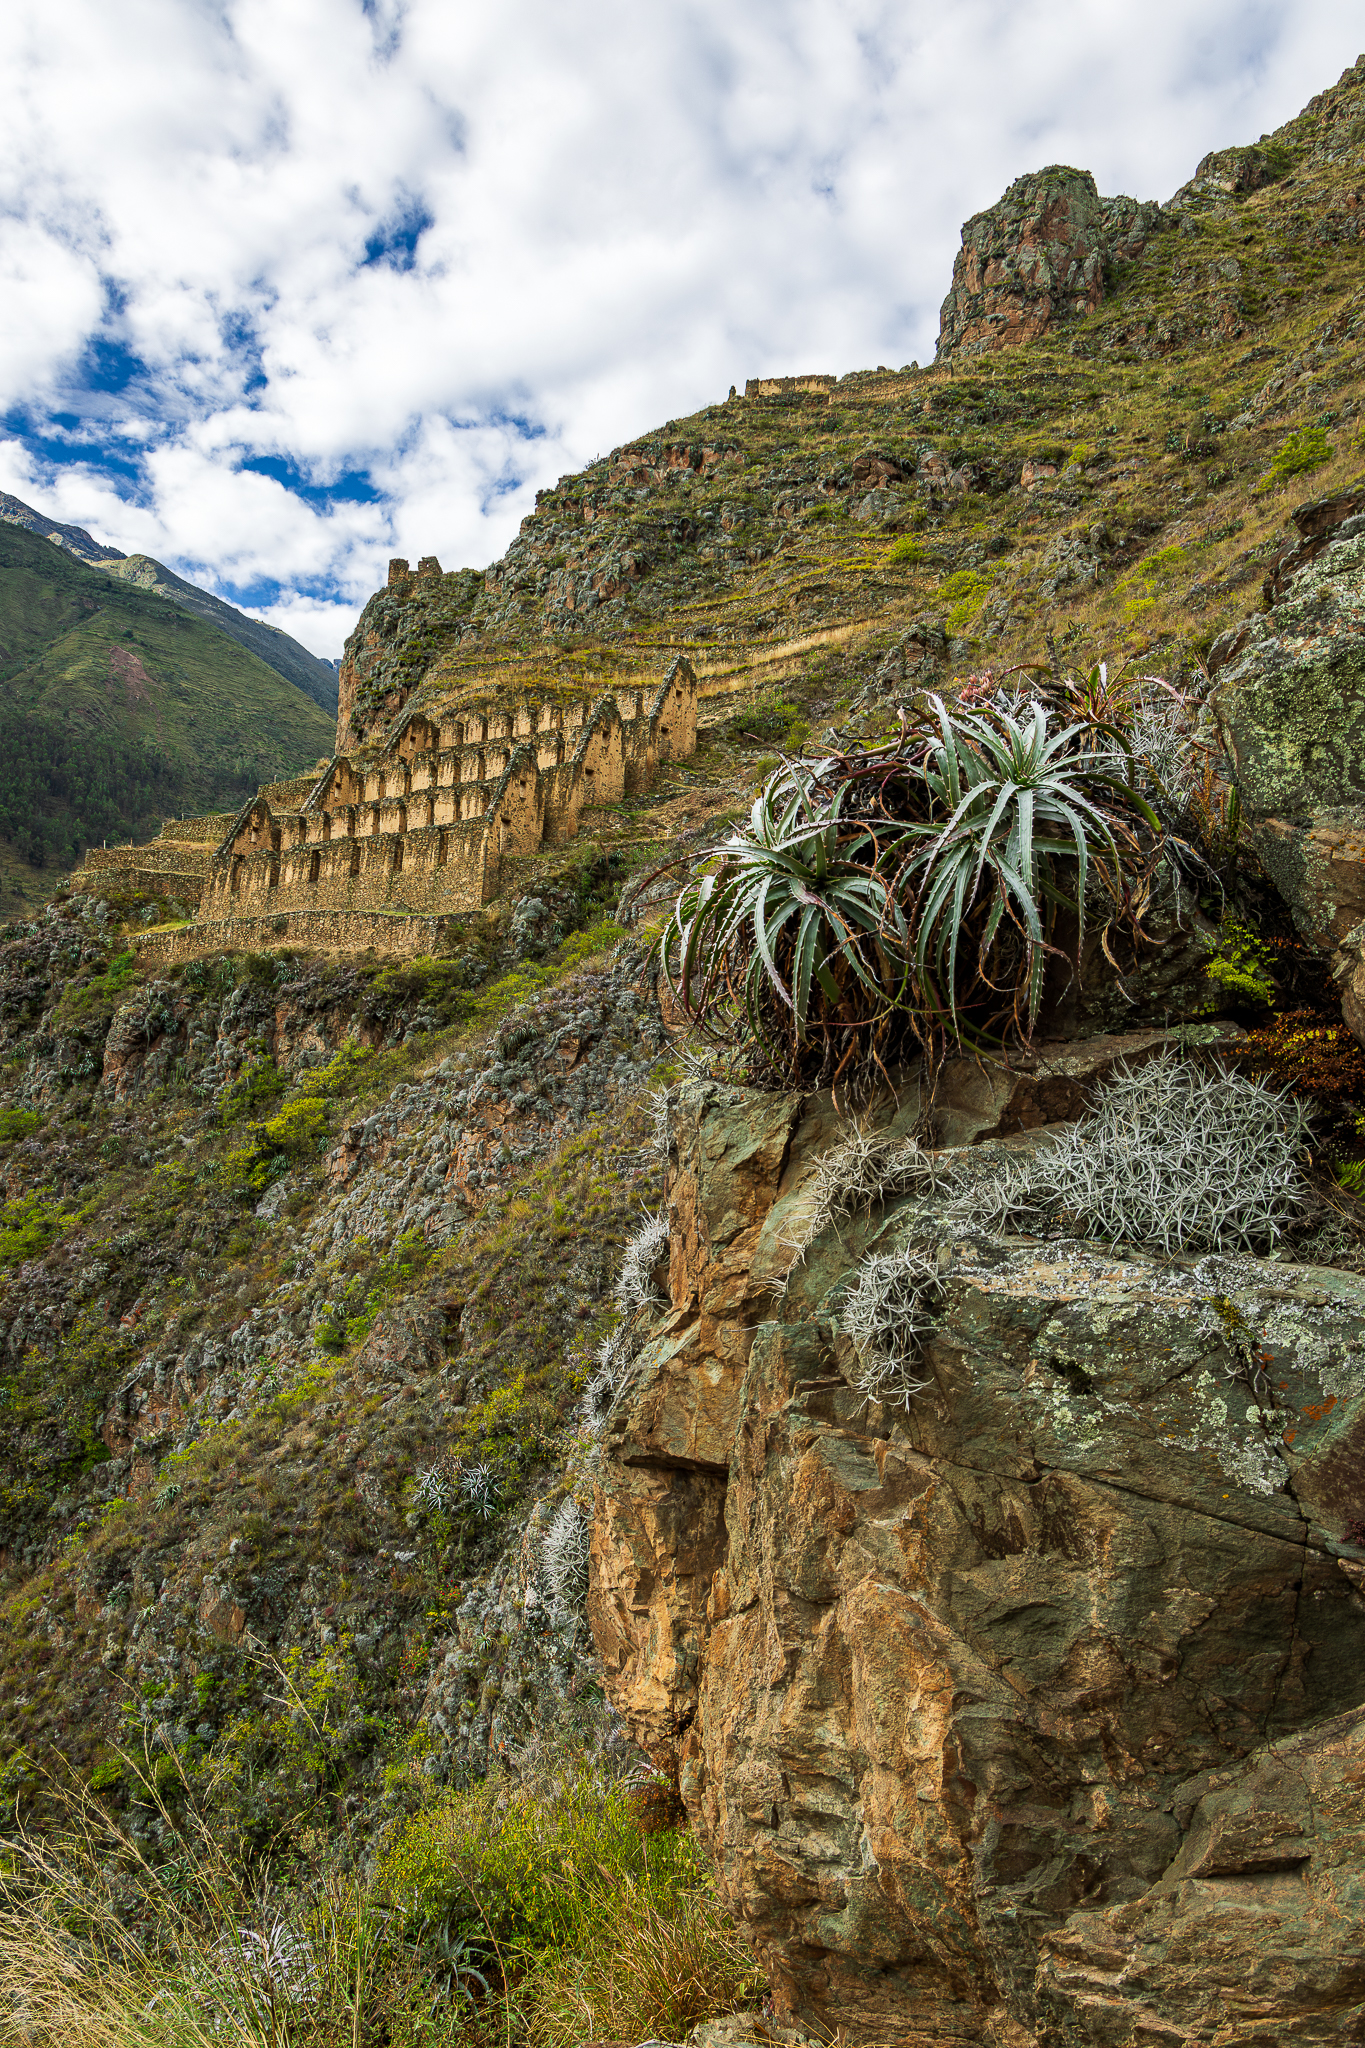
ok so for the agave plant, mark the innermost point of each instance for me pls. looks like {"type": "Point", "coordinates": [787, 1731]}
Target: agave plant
{"type": "Point", "coordinates": [798, 930]}
{"type": "Point", "coordinates": [1028, 809]}
{"type": "Point", "coordinates": [910, 895]}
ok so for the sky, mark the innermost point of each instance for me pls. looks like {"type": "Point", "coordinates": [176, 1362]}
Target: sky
{"type": "Point", "coordinates": [291, 286]}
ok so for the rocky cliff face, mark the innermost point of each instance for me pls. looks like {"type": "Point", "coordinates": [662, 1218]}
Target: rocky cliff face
{"type": "Point", "coordinates": [1032, 1713]}
{"type": "Point", "coordinates": [1288, 698]}
{"type": "Point", "coordinates": [1038, 256]}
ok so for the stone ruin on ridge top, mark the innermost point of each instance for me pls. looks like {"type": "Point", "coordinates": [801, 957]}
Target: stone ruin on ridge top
{"type": "Point", "coordinates": [411, 819]}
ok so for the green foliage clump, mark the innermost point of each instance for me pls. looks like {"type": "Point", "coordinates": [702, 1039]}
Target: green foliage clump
{"type": "Point", "coordinates": [299, 1131]}
{"type": "Point", "coordinates": [597, 1923]}
{"type": "Point", "coordinates": [80, 1000]}
{"type": "Point", "coordinates": [906, 549]}
{"type": "Point", "coordinates": [27, 1228]}
{"type": "Point", "coordinates": [260, 1082]}
{"type": "Point", "coordinates": [770, 718]}
{"type": "Point", "coordinates": [1297, 454]}
{"type": "Point", "coordinates": [341, 1076]}
{"type": "Point", "coordinates": [1241, 971]}
{"type": "Point", "coordinates": [962, 593]}
{"type": "Point", "coordinates": [18, 1123]}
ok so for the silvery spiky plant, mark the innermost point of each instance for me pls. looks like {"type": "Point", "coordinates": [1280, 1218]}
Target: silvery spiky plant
{"type": "Point", "coordinates": [636, 1286]}
{"type": "Point", "coordinates": [858, 1172]}
{"type": "Point", "coordinates": [661, 1124]}
{"type": "Point", "coordinates": [479, 1486]}
{"type": "Point", "coordinates": [616, 1356]}
{"type": "Point", "coordinates": [564, 1557]}
{"type": "Point", "coordinates": [272, 1965]}
{"type": "Point", "coordinates": [434, 1491]}
{"type": "Point", "coordinates": [888, 1312]}
{"type": "Point", "coordinates": [1176, 1157]}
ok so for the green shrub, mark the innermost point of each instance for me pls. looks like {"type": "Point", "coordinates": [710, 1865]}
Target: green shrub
{"type": "Point", "coordinates": [340, 1076]}
{"type": "Point", "coordinates": [597, 1926]}
{"type": "Point", "coordinates": [102, 991]}
{"type": "Point", "coordinates": [18, 1123]}
{"type": "Point", "coordinates": [1241, 969]}
{"type": "Point", "coordinates": [1298, 453]}
{"type": "Point", "coordinates": [962, 593]}
{"type": "Point", "coordinates": [906, 549]}
{"type": "Point", "coordinates": [769, 718]}
{"type": "Point", "coordinates": [300, 1129]}
{"type": "Point", "coordinates": [27, 1228]}
{"type": "Point", "coordinates": [260, 1082]}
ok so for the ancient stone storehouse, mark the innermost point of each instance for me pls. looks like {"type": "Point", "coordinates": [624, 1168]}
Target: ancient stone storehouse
{"type": "Point", "coordinates": [422, 824]}
{"type": "Point", "coordinates": [439, 775]}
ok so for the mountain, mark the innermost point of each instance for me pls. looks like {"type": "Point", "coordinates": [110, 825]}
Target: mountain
{"type": "Point", "coordinates": [316, 678]}
{"type": "Point", "coordinates": [1102, 457]}
{"type": "Point", "coordinates": [352, 1457]}
{"type": "Point", "coordinates": [119, 708]}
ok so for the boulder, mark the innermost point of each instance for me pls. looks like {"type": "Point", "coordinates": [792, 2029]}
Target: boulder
{"type": "Point", "coordinates": [1290, 706]}
{"type": "Point", "coordinates": [1037, 256]}
{"type": "Point", "coordinates": [1032, 1712]}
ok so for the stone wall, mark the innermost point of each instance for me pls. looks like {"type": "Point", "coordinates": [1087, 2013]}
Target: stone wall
{"type": "Point", "coordinates": [421, 826]}
{"type": "Point", "coordinates": [778, 387]}
{"type": "Point", "coordinates": [347, 931]}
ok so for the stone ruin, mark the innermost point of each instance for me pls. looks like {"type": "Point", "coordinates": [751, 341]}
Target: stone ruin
{"type": "Point", "coordinates": [384, 840]}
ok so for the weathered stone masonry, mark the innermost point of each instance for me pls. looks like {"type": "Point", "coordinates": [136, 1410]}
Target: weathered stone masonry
{"type": "Point", "coordinates": [422, 825]}
{"type": "Point", "coordinates": [418, 827]}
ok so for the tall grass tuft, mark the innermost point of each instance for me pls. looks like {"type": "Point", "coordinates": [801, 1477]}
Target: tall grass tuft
{"type": "Point", "coordinates": [644, 1970]}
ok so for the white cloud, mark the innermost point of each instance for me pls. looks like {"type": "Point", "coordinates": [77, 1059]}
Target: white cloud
{"type": "Point", "coordinates": [625, 211]}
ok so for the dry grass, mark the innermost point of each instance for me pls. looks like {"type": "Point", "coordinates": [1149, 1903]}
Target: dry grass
{"type": "Point", "coordinates": [102, 1947]}
{"type": "Point", "coordinates": [641, 1974]}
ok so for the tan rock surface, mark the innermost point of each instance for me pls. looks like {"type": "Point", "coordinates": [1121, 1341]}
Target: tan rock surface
{"type": "Point", "coordinates": [1031, 1714]}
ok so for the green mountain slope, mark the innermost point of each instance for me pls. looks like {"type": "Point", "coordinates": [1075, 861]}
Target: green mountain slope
{"type": "Point", "coordinates": [118, 708]}
{"type": "Point", "coordinates": [276, 649]}
{"type": "Point", "coordinates": [1113, 489]}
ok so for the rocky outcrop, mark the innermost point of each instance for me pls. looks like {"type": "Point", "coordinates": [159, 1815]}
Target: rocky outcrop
{"type": "Point", "coordinates": [1289, 698]}
{"type": "Point", "coordinates": [1036, 257]}
{"type": "Point", "coordinates": [1032, 1712]}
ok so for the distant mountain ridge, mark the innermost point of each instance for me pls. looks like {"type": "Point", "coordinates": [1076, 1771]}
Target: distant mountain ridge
{"type": "Point", "coordinates": [316, 678]}
{"type": "Point", "coordinates": [119, 708]}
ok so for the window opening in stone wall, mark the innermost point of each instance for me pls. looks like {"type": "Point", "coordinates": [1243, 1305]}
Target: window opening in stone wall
{"type": "Point", "coordinates": [443, 849]}
{"type": "Point", "coordinates": [236, 882]}
{"type": "Point", "coordinates": [374, 823]}
{"type": "Point", "coordinates": [314, 865]}
{"type": "Point", "coordinates": [355, 858]}
{"type": "Point", "coordinates": [397, 855]}
{"type": "Point", "coordinates": [273, 879]}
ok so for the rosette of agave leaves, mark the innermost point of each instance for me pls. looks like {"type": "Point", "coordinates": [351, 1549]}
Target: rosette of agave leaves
{"type": "Point", "coordinates": [904, 898]}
